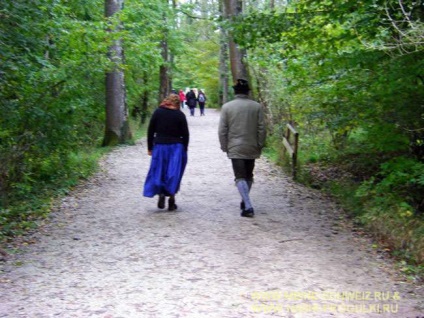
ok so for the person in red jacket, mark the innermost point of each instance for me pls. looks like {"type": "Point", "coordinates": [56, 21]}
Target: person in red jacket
{"type": "Point", "coordinates": [182, 98]}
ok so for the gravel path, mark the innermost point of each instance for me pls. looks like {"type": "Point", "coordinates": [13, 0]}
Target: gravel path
{"type": "Point", "coordinates": [108, 252]}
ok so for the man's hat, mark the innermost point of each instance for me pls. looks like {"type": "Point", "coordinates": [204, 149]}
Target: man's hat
{"type": "Point", "coordinates": [241, 85]}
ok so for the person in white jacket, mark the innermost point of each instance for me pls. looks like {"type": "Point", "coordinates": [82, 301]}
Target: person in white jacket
{"type": "Point", "coordinates": [242, 136]}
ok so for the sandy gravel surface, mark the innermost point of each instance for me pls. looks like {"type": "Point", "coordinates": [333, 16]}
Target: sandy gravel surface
{"type": "Point", "coordinates": [110, 253]}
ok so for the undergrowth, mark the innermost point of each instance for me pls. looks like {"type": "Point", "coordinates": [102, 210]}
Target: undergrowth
{"type": "Point", "coordinates": [31, 201]}
{"type": "Point", "coordinates": [382, 193]}
{"type": "Point", "coordinates": [28, 203]}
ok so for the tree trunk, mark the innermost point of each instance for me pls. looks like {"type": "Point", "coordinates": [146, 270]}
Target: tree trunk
{"type": "Point", "coordinates": [233, 8]}
{"type": "Point", "coordinates": [117, 126]}
{"type": "Point", "coordinates": [165, 77]}
{"type": "Point", "coordinates": [164, 88]}
{"type": "Point", "coordinates": [223, 61]}
{"type": "Point", "coordinates": [145, 99]}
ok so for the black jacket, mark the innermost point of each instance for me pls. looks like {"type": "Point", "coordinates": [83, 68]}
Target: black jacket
{"type": "Point", "coordinates": [167, 126]}
{"type": "Point", "coordinates": [191, 99]}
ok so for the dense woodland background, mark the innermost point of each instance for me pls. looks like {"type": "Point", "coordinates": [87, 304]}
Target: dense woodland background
{"type": "Point", "coordinates": [76, 75]}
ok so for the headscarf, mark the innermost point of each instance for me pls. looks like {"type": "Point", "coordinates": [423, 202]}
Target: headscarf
{"type": "Point", "coordinates": [171, 102]}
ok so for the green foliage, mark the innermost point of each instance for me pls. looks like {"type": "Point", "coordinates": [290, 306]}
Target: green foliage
{"type": "Point", "coordinates": [389, 204]}
{"type": "Point", "coordinates": [53, 59]}
{"type": "Point", "coordinates": [347, 76]}
{"type": "Point", "coordinates": [400, 179]}
{"type": "Point", "coordinates": [202, 75]}
{"type": "Point", "coordinates": [51, 100]}
{"type": "Point", "coordinates": [196, 61]}
{"type": "Point", "coordinates": [142, 35]}
{"type": "Point", "coordinates": [32, 199]}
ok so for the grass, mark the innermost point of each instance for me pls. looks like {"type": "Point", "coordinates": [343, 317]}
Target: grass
{"type": "Point", "coordinates": [27, 207]}
{"type": "Point", "coordinates": [29, 203]}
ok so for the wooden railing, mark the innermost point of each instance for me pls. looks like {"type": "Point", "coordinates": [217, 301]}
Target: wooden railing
{"type": "Point", "coordinates": [291, 141]}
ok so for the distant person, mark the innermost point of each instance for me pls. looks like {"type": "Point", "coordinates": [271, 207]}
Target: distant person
{"type": "Point", "coordinates": [182, 98]}
{"type": "Point", "coordinates": [201, 98]}
{"type": "Point", "coordinates": [242, 136]}
{"type": "Point", "coordinates": [167, 143]}
{"type": "Point", "coordinates": [191, 101]}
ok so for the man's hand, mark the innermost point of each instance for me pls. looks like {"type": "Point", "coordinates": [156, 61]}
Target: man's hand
{"type": "Point", "coordinates": [149, 152]}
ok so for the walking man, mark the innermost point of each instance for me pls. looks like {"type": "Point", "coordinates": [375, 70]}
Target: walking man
{"type": "Point", "coordinates": [191, 101]}
{"type": "Point", "coordinates": [242, 136]}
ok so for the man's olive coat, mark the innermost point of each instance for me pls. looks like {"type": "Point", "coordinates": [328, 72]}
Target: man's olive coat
{"type": "Point", "coordinates": [241, 128]}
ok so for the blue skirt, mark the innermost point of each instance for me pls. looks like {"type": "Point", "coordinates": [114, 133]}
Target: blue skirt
{"type": "Point", "coordinates": [166, 170]}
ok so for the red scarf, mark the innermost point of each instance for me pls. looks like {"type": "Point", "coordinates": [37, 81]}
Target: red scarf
{"type": "Point", "coordinates": [171, 102]}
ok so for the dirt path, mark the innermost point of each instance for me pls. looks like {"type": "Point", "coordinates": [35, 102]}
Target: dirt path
{"type": "Point", "coordinates": [110, 253]}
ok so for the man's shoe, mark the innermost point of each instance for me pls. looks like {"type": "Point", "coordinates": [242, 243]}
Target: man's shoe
{"type": "Point", "coordinates": [161, 202]}
{"type": "Point", "coordinates": [242, 205]}
{"type": "Point", "coordinates": [249, 213]}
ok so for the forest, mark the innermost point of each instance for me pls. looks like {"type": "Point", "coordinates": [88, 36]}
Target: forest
{"type": "Point", "coordinates": [78, 78]}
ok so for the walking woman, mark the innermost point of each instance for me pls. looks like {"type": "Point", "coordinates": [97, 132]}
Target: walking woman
{"type": "Point", "coordinates": [202, 100]}
{"type": "Point", "coordinates": [182, 98]}
{"type": "Point", "coordinates": [167, 143]}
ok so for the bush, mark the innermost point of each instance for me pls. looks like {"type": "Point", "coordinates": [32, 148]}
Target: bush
{"type": "Point", "coordinates": [393, 206]}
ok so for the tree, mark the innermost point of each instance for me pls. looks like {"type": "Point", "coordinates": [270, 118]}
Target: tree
{"type": "Point", "coordinates": [350, 76]}
{"type": "Point", "coordinates": [51, 100]}
{"type": "Point", "coordinates": [165, 69]}
{"type": "Point", "coordinates": [117, 126]}
{"type": "Point", "coordinates": [142, 37]}
{"type": "Point", "coordinates": [223, 60]}
{"type": "Point", "coordinates": [197, 48]}
{"type": "Point", "coordinates": [231, 10]}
